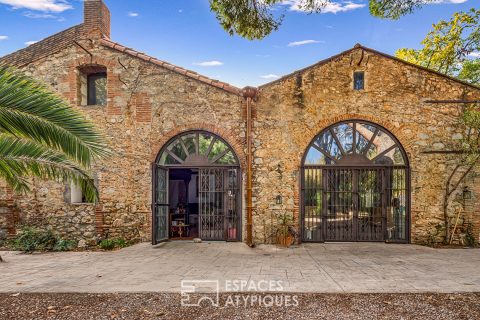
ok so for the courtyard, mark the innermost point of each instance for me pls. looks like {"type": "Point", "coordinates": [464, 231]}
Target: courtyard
{"type": "Point", "coordinates": [308, 268]}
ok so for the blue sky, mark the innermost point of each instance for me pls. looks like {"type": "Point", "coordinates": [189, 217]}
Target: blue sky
{"type": "Point", "coordinates": [186, 33]}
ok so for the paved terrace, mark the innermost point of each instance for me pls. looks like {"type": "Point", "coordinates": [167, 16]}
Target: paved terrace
{"type": "Point", "coordinates": [334, 267]}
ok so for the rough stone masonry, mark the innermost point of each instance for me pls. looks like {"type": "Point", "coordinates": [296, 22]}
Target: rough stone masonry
{"type": "Point", "coordinates": [150, 101]}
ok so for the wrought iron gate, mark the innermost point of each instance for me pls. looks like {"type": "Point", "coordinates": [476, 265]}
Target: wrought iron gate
{"type": "Point", "coordinates": [160, 204]}
{"type": "Point", "coordinates": [354, 204]}
{"type": "Point", "coordinates": [218, 197]}
{"type": "Point", "coordinates": [355, 185]}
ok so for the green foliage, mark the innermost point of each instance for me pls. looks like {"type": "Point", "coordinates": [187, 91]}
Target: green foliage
{"type": "Point", "coordinates": [256, 19]}
{"type": "Point", "coordinates": [285, 221]}
{"type": "Point", "coordinates": [447, 47]}
{"type": "Point", "coordinates": [469, 236]}
{"type": "Point", "coordinates": [110, 244]}
{"type": "Point", "coordinates": [64, 245]}
{"type": "Point", "coordinates": [107, 244]}
{"type": "Point", "coordinates": [249, 19]}
{"type": "Point", "coordinates": [432, 236]}
{"type": "Point", "coordinates": [471, 142]}
{"type": "Point", "coordinates": [31, 239]}
{"type": "Point", "coordinates": [394, 9]}
{"type": "Point", "coordinates": [121, 243]}
{"type": "Point", "coordinates": [470, 71]}
{"type": "Point", "coordinates": [42, 136]}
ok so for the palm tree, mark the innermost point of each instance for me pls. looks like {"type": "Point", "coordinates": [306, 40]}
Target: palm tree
{"type": "Point", "coordinates": [42, 136]}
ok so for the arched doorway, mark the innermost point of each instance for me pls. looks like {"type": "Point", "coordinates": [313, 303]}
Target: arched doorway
{"type": "Point", "coordinates": [355, 185]}
{"type": "Point", "coordinates": [196, 189]}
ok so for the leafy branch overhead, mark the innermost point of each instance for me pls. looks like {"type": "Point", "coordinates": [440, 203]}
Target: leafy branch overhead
{"type": "Point", "coordinates": [42, 136]}
{"type": "Point", "coordinates": [451, 48]}
{"type": "Point", "coordinates": [256, 19]}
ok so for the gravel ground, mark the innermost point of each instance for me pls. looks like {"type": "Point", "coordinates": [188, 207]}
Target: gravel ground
{"type": "Point", "coordinates": [310, 306]}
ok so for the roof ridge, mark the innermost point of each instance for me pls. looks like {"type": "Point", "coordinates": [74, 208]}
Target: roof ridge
{"type": "Point", "coordinates": [189, 73]}
{"type": "Point", "coordinates": [46, 46]}
{"type": "Point", "coordinates": [360, 46]}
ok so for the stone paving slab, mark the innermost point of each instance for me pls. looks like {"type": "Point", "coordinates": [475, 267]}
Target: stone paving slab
{"type": "Point", "coordinates": [329, 268]}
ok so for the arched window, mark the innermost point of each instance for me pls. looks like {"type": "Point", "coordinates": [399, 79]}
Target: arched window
{"type": "Point", "coordinates": [355, 143]}
{"type": "Point", "coordinates": [197, 148]}
{"type": "Point", "coordinates": [196, 187]}
{"type": "Point", "coordinates": [355, 185]}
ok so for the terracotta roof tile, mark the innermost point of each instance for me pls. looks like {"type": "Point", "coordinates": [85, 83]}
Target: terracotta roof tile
{"type": "Point", "coordinates": [191, 74]}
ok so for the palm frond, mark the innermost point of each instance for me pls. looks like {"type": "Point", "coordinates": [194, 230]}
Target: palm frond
{"type": "Point", "coordinates": [29, 110]}
{"type": "Point", "coordinates": [21, 158]}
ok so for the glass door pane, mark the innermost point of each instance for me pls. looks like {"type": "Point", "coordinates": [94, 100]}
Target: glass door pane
{"type": "Point", "coordinates": [161, 205]}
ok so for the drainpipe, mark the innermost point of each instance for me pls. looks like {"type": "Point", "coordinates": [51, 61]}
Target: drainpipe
{"type": "Point", "coordinates": [249, 94]}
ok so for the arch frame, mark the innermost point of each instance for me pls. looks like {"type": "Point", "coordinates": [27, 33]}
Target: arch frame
{"type": "Point", "coordinates": [175, 135]}
{"type": "Point", "coordinates": [232, 140]}
{"type": "Point", "coordinates": [197, 131]}
{"type": "Point", "coordinates": [345, 121]}
{"type": "Point", "coordinates": [331, 123]}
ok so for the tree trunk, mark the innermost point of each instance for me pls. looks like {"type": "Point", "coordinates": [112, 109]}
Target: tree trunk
{"type": "Point", "coordinates": [449, 190]}
{"type": "Point", "coordinates": [445, 218]}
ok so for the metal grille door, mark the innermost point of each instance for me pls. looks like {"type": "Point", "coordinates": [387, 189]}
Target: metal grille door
{"type": "Point", "coordinates": [339, 209]}
{"type": "Point", "coordinates": [160, 210]}
{"type": "Point", "coordinates": [370, 215]}
{"type": "Point", "coordinates": [218, 194]}
{"type": "Point", "coordinates": [349, 204]}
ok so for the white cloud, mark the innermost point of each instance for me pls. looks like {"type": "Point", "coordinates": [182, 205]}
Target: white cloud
{"type": "Point", "coordinates": [133, 14]}
{"type": "Point", "coordinates": [270, 76]}
{"type": "Point", "coordinates": [39, 5]}
{"type": "Point", "coordinates": [475, 54]}
{"type": "Point", "coordinates": [28, 43]}
{"type": "Point", "coordinates": [451, 1]}
{"type": "Point", "coordinates": [330, 7]}
{"type": "Point", "coordinates": [3, 38]}
{"type": "Point", "coordinates": [180, 11]}
{"type": "Point", "coordinates": [34, 15]}
{"type": "Point", "coordinates": [302, 43]}
{"type": "Point", "coordinates": [213, 63]}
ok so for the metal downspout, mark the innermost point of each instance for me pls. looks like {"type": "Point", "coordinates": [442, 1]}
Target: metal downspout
{"type": "Point", "coordinates": [249, 94]}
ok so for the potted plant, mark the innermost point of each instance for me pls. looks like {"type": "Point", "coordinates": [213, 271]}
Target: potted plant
{"type": "Point", "coordinates": [284, 235]}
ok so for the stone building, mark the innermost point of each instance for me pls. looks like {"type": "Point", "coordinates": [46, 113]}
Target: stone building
{"type": "Point", "coordinates": [357, 147]}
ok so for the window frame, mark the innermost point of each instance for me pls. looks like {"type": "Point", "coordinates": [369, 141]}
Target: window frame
{"type": "Point", "coordinates": [92, 88]}
{"type": "Point", "coordinates": [362, 73]}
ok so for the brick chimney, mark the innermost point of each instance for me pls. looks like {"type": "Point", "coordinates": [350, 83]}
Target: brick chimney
{"type": "Point", "coordinates": [96, 20]}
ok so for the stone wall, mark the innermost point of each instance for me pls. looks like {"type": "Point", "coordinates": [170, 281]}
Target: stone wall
{"type": "Point", "coordinates": [150, 101]}
{"type": "Point", "coordinates": [291, 111]}
{"type": "Point", "coordinates": [147, 104]}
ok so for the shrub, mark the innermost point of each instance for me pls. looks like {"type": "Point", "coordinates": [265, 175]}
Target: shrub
{"type": "Point", "coordinates": [469, 236]}
{"type": "Point", "coordinates": [31, 239]}
{"type": "Point", "coordinates": [107, 244]}
{"type": "Point", "coordinates": [64, 245]}
{"type": "Point", "coordinates": [110, 244]}
{"type": "Point", "coordinates": [120, 243]}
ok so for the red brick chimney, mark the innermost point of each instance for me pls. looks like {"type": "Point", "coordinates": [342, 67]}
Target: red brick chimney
{"type": "Point", "coordinates": [96, 20]}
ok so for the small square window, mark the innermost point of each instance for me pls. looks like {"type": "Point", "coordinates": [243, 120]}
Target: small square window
{"type": "Point", "coordinates": [358, 80]}
{"type": "Point", "coordinates": [97, 89]}
{"type": "Point", "coordinates": [76, 194]}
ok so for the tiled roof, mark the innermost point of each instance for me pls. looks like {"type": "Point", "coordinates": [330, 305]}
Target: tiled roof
{"type": "Point", "coordinates": [191, 74]}
{"type": "Point", "coordinates": [44, 48]}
